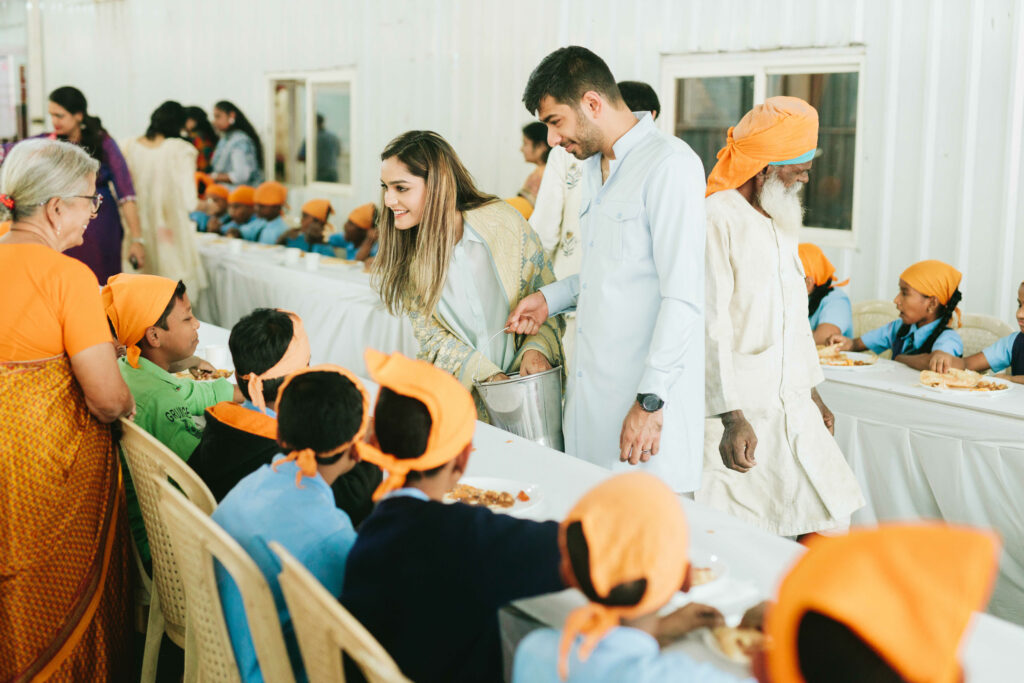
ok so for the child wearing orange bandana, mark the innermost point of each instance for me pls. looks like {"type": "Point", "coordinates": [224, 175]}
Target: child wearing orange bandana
{"type": "Point", "coordinates": [829, 309]}
{"type": "Point", "coordinates": [927, 301]}
{"type": "Point", "coordinates": [1005, 354]}
{"type": "Point", "coordinates": [625, 547]}
{"type": "Point", "coordinates": [310, 236]}
{"type": "Point", "coordinates": [424, 577]}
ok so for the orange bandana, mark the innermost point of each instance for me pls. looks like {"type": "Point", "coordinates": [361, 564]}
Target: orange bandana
{"type": "Point", "coordinates": [362, 216]}
{"type": "Point", "coordinates": [133, 304]}
{"type": "Point", "coordinates": [271, 193]}
{"type": "Point", "coordinates": [817, 266]}
{"type": "Point", "coordinates": [206, 180]}
{"type": "Point", "coordinates": [934, 278]}
{"type": "Point", "coordinates": [781, 129]}
{"type": "Point", "coordinates": [318, 208]}
{"type": "Point", "coordinates": [635, 529]}
{"type": "Point", "coordinates": [306, 458]}
{"type": "Point", "coordinates": [217, 191]}
{"type": "Point", "coordinates": [296, 357]}
{"type": "Point", "coordinates": [243, 194]}
{"type": "Point", "coordinates": [908, 591]}
{"type": "Point", "coordinates": [451, 408]}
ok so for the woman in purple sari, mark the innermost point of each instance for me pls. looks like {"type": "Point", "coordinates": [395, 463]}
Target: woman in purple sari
{"type": "Point", "coordinates": [101, 248]}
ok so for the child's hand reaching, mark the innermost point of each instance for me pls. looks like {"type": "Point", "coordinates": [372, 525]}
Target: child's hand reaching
{"type": "Point", "coordinates": [685, 619]}
{"type": "Point", "coordinates": [941, 362]}
{"type": "Point", "coordinates": [845, 344]}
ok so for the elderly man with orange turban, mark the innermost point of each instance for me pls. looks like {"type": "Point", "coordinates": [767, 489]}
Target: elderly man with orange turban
{"type": "Point", "coordinates": [769, 457]}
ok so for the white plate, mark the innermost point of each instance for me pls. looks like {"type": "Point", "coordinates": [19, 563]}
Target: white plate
{"type": "Point", "coordinates": [1010, 386]}
{"type": "Point", "coordinates": [712, 644]}
{"type": "Point", "coordinates": [701, 558]}
{"type": "Point", "coordinates": [511, 486]}
{"type": "Point", "coordinates": [870, 358]}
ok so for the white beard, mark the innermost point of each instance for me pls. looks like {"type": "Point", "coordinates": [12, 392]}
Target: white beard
{"type": "Point", "coordinates": [782, 203]}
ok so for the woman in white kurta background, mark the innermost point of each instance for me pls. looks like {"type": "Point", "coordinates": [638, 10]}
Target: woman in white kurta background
{"type": "Point", "coordinates": [162, 165]}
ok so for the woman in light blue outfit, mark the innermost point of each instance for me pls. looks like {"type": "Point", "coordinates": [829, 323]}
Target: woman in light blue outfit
{"type": "Point", "coordinates": [238, 158]}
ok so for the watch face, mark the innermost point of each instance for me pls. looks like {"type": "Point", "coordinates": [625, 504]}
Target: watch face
{"type": "Point", "coordinates": [651, 402]}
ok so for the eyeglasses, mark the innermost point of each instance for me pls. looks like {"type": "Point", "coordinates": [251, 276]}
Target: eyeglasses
{"type": "Point", "coordinates": [95, 199]}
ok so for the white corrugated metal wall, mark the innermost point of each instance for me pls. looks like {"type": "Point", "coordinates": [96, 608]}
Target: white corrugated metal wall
{"type": "Point", "coordinates": [943, 86]}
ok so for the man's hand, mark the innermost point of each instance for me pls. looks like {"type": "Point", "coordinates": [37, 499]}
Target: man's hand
{"type": "Point", "coordinates": [496, 377]}
{"type": "Point", "coordinates": [686, 619]}
{"type": "Point", "coordinates": [641, 435]}
{"type": "Point", "coordinates": [941, 362]}
{"type": "Point", "coordinates": [533, 362]}
{"type": "Point", "coordinates": [845, 343]}
{"type": "Point", "coordinates": [826, 415]}
{"type": "Point", "coordinates": [738, 442]}
{"type": "Point", "coordinates": [754, 617]}
{"type": "Point", "coordinates": [527, 317]}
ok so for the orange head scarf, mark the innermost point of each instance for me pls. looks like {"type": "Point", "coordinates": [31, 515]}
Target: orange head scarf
{"type": "Point", "coordinates": [296, 357]}
{"type": "Point", "coordinates": [451, 408]}
{"type": "Point", "coordinates": [134, 303]}
{"type": "Point", "coordinates": [782, 130]}
{"type": "Point", "coordinates": [243, 194]}
{"type": "Point", "coordinates": [206, 180]}
{"type": "Point", "coordinates": [362, 216]}
{"type": "Point", "coordinates": [635, 529]}
{"type": "Point", "coordinates": [306, 458]}
{"type": "Point", "coordinates": [271, 193]}
{"type": "Point", "coordinates": [908, 591]}
{"type": "Point", "coordinates": [817, 266]}
{"type": "Point", "coordinates": [524, 207]}
{"type": "Point", "coordinates": [934, 278]}
{"type": "Point", "coordinates": [318, 208]}
{"type": "Point", "coordinates": [217, 191]}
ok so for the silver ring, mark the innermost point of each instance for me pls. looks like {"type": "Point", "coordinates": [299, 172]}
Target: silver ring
{"type": "Point", "coordinates": [642, 452]}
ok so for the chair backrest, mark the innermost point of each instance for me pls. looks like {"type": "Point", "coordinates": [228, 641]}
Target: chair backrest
{"type": "Point", "coordinates": [198, 540]}
{"type": "Point", "coordinates": [149, 460]}
{"type": "Point", "coordinates": [324, 629]}
{"type": "Point", "coordinates": [979, 331]}
{"type": "Point", "coordinates": [869, 315]}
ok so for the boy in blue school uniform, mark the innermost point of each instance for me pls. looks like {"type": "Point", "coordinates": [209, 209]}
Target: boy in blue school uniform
{"type": "Point", "coordinates": [1008, 352]}
{"type": "Point", "coordinates": [426, 578]}
{"type": "Point", "coordinates": [624, 546]}
{"type": "Point", "coordinates": [309, 236]}
{"type": "Point", "coordinates": [322, 412]}
{"type": "Point", "coordinates": [216, 213]}
{"type": "Point", "coordinates": [358, 236]}
{"type": "Point", "coordinates": [270, 198]}
{"type": "Point", "coordinates": [241, 210]}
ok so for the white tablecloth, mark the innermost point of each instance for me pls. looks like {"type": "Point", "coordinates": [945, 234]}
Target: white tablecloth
{"type": "Point", "coordinates": [341, 312]}
{"type": "Point", "coordinates": [755, 560]}
{"type": "Point", "coordinates": [921, 454]}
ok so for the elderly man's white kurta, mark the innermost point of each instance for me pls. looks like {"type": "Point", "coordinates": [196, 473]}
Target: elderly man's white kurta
{"type": "Point", "coordinates": [761, 359]}
{"type": "Point", "coordinates": [640, 303]}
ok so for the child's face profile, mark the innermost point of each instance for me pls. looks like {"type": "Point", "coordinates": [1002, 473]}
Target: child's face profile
{"type": "Point", "coordinates": [181, 337]}
{"type": "Point", "coordinates": [268, 212]}
{"type": "Point", "coordinates": [240, 213]}
{"type": "Point", "coordinates": [313, 228]}
{"type": "Point", "coordinates": [809, 282]}
{"type": "Point", "coordinates": [354, 234]}
{"type": "Point", "coordinates": [1020, 307]}
{"type": "Point", "coordinates": [217, 205]}
{"type": "Point", "coordinates": [914, 306]}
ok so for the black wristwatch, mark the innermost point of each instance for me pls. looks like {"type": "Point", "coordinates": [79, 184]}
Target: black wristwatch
{"type": "Point", "coordinates": [650, 403]}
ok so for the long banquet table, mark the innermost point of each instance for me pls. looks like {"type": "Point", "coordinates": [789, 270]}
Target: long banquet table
{"type": "Point", "coordinates": [755, 560]}
{"type": "Point", "coordinates": [923, 454]}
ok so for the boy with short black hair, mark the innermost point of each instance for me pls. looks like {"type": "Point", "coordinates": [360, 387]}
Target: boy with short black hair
{"type": "Point", "coordinates": [425, 578]}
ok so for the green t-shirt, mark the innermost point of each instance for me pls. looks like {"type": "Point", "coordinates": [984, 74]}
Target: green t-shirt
{"type": "Point", "coordinates": [164, 406]}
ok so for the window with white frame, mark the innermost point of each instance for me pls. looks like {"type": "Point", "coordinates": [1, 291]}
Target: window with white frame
{"type": "Point", "coordinates": [317, 107]}
{"type": "Point", "coordinates": [709, 93]}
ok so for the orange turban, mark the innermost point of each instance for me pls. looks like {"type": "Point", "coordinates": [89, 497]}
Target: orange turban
{"type": "Point", "coordinates": [362, 216]}
{"type": "Point", "coordinates": [134, 303]}
{"type": "Point", "coordinates": [306, 458]}
{"type": "Point", "coordinates": [243, 194]}
{"type": "Point", "coordinates": [318, 208]}
{"type": "Point", "coordinates": [907, 591]}
{"type": "Point", "coordinates": [296, 357]}
{"type": "Point", "coordinates": [451, 408]}
{"type": "Point", "coordinates": [782, 130]}
{"type": "Point", "coordinates": [934, 278]}
{"type": "Point", "coordinates": [204, 179]}
{"type": "Point", "coordinates": [5, 228]}
{"type": "Point", "coordinates": [817, 266]}
{"type": "Point", "coordinates": [217, 191]}
{"type": "Point", "coordinates": [271, 193]}
{"type": "Point", "coordinates": [524, 207]}
{"type": "Point", "coordinates": [635, 529]}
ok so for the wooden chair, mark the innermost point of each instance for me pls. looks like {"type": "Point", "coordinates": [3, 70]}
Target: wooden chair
{"type": "Point", "coordinates": [325, 629]}
{"type": "Point", "coordinates": [198, 541]}
{"type": "Point", "coordinates": [149, 460]}
{"type": "Point", "coordinates": [979, 331]}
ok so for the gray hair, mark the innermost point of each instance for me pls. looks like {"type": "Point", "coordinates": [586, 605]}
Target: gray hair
{"type": "Point", "coordinates": [38, 170]}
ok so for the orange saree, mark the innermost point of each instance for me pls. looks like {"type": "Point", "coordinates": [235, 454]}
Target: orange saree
{"type": "Point", "coordinates": [65, 584]}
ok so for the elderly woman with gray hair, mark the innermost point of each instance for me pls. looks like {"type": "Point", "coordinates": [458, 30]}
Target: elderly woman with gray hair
{"type": "Point", "coordinates": [64, 551]}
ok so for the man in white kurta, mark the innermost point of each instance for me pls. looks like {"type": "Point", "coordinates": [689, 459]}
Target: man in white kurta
{"type": "Point", "coordinates": [640, 293]}
{"type": "Point", "coordinates": [768, 455]}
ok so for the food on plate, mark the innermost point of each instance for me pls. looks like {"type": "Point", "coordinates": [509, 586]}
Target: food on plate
{"type": "Point", "coordinates": [831, 355]}
{"type": "Point", "coordinates": [200, 374]}
{"type": "Point", "coordinates": [737, 643]}
{"type": "Point", "coordinates": [963, 380]}
{"type": "Point", "coordinates": [471, 495]}
{"type": "Point", "coordinates": [701, 575]}
{"type": "Point", "coordinates": [830, 351]}
{"type": "Point", "coordinates": [522, 496]}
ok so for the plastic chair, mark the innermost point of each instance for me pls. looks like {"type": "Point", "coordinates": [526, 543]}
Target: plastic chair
{"type": "Point", "coordinates": [198, 541]}
{"type": "Point", "coordinates": [325, 629]}
{"type": "Point", "coordinates": [869, 315]}
{"type": "Point", "coordinates": [148, 460]}
{"type": "Point", "coordinates": [979, 331]}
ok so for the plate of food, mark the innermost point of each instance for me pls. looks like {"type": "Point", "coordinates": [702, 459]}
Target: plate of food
{"type": "Point", "coordinates": [707, 568]}
{"type": "Point", "coordinates": [500, 495]}
{"type": "Point", "coordinates": [832, 357]}
{"type": "Point", "coordinates": [967, 382]}
{"type": "Point", "coordinates": [201, 375]}
{"type": "Point", "coordinates": [732, 643]}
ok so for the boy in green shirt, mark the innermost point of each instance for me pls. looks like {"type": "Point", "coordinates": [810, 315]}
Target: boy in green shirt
{"type": "Point", "coordinates": [152, 317]}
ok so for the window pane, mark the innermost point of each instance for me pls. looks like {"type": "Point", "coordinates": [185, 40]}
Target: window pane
{"type": "Point", "coordinates": [289, 115]}
{"type": "Point", "coordinates": [334, 129]}
{"type": "Point", "coordinates": [706, 108]}
{"type": "Point", "coordinates": [829, 195]}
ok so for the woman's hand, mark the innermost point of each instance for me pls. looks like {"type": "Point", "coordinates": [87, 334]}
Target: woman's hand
{"type": "Point", "coordinates": [528, 315]}
{"type": "Point", "coordinates": [533, 362]}
{"type": "Point", "coordinates": [139, 252]}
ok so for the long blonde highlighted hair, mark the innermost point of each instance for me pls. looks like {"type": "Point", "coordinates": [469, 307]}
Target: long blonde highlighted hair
{"type": "Point", "coordinates": [411, 265]}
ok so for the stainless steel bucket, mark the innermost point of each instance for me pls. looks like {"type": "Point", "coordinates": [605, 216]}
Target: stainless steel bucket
{"type": "Point", "coordinates": [530, 407]}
